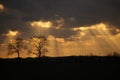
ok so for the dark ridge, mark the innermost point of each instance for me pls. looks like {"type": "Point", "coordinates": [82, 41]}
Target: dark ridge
{"type": "Point", "coordinates": [62, 68]}
{"type": "Point", "coordinates": [63, 60]}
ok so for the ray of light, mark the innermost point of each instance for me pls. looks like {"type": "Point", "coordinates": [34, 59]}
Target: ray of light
{"type": "Point", "coordinates": [55, 47]}
{"type": "Point", "coordinates": [11, 35]}
{"type": "Point", "coordinates": [100, 35]}
{"type": "Point", "coordinates": [41, 27]}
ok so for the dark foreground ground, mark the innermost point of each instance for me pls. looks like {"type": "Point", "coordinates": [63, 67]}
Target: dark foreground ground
{"type": "Point", "coordinates": [98, 68]}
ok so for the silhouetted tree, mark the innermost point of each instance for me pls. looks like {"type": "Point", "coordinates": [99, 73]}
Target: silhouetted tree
{"type": "Point", "coordinates": [116, 54]}
{"type": "Point", "coordinates": [113, 54]}
{"type": "Point", "coordinates": [15, 46]}
{"type": "Point", "coordinates": [38, 45]}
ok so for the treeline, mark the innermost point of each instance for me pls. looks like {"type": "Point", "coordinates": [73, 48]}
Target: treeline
{"type": "Point", "coordinates": [107, 54]}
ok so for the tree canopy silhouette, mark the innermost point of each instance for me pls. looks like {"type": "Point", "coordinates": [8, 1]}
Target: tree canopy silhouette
{"type": "Point", "coordinates": [15, 46]}
{"type": "Point", "coordinates": [37, 45]}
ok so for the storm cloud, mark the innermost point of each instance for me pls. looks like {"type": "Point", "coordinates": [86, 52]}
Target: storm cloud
{"type": "Point", "coordinates": [74, 12]}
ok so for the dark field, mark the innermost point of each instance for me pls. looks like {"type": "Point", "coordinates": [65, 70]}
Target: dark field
{"type": "Point", "coordinates": [60, 68]}
{"type": "Point", "coordinates": [63, 60]}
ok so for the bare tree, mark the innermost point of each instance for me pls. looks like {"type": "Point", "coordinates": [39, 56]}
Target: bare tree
{"type": "Point", "coordinates": [38, 45]}
{"type": "Point", "coordinates": [15, 46]}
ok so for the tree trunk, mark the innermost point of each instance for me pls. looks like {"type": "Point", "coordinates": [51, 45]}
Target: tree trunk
{"type": "Point", "coordinates": [39, 54]}
{"type": "Point", "coordinates": [18, 54]}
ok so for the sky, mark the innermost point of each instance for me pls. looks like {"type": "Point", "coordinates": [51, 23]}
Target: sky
{"type": "Point", "coordinates": [73, 27]}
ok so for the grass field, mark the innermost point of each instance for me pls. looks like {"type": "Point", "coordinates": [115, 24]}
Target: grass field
{"type": "Point", "coordinates": [60, 68]}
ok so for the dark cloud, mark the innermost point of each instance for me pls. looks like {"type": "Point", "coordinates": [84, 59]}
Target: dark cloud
{"type": "Point", "coordinates": [62, 33]}
{"type": "Point", "coordinates": [84, 12]}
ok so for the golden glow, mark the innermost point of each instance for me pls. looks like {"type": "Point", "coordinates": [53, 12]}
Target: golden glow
{"type": "Point", "coordinates": [98, 39]}
{"type": "Point", "coordinates": [12, 33]}
{"type": "Point", "coordinates": [43, 24]}
{"type": "Point", "coordinates": [1, 7]}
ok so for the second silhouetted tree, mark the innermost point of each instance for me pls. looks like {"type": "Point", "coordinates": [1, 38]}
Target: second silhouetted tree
{"type": "Point", "coordinates": [38, 45]}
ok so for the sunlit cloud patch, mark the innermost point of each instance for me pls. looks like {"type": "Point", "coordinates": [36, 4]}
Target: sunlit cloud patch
{"type": "Point", "coordinates": [1, 7]}
{"type": "Point", "coordinates": [12, 33]}
{"type": "Point", "coordinates": [43, 24]}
